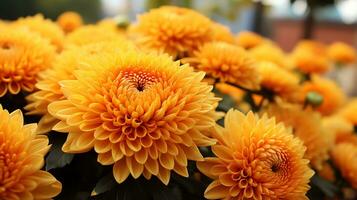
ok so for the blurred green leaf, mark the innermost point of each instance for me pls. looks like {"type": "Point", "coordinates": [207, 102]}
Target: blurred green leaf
{"type": "Point", "coordinates": [325, 186]}
{"type": "Point", "coordinates": [105, 184]}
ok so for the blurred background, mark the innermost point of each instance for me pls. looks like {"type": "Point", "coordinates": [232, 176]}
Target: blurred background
{"type": "Point", "coordinates": [284, 21]}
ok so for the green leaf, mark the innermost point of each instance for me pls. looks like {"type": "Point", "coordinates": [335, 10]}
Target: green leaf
{"type": "Point", "coordinates": [57, 158]}
{"type": "Point", "coordinates": [326, 187]}
{"type": "Point", "coordinates": [105, 184]}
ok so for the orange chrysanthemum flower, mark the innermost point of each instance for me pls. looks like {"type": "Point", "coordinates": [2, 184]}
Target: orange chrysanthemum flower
{"type": "Point", "coordinates": [310, 57]}
{"type": "Point", "coordinates": [23, 54]}
{"type": "Point", "coordinates": [45, 27]}
{"type": "Point", "coordinates": [226, 62]}
{"type": "Point", "coordinates": [63, 69]}
{"type": "Point", "coordinates": [340, 52]}
{"type": "Point", "coordinates": [247, 39]}
{"type": "Point", "coordinates": [272, 53]}
{"type": "Point", "coordinates": [236, 93]}
{"type": "Point", "coordinates": [91, 34]}
{"type": "Point", "coordinates": [348, 111]}
{"type": "Point", "coordinates": [173, 30]}
{"type": "Point", "coordinates": [222, 33]}
{"type": "Point", "coordinates": [22, 154]}
{"type": "Point", "coordinates": [333, 96]}
{"type": "Point", "coordinates": [278, 80]}
{"type": "Point", "coordinates": [341, 128]}
{"type": "Point", "coordinates": [256, 159]}
{"type": "Point", "coordinates": [327, 172]}
{"type": "Point", "coordinates": [141, 112]}
{"type": "Point", "coordinates": [307, 126]}
{"type": "Point", "coordinates": [69, 21]}
{"type": "Point", "coordinates": [345, 158]}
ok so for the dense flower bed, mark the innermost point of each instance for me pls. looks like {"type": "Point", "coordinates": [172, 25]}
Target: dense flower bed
{"type": "Point", "coordinates": [172, 106]}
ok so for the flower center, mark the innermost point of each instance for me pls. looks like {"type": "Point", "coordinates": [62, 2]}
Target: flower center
{"type": "Point", "coordinates": [139, 79]}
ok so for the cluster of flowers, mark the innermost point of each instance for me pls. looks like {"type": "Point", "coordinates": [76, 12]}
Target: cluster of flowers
{"type": "Point", "coordinates": [146, 99]}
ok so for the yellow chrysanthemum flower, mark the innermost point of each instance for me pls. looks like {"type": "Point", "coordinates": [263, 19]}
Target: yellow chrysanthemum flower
{"type": "Point", "coordinates": [256, 159]}
{"type": "Point", "coordinates": [91, 34]}
{"type": "Point", "coordinates": [45, 27]}
{"type": "Point", "coordinates": [310, 57]}
{"type": "Point", "coordinates": [141, 112]}
{"type": "Point", "coordinates": [63, 69]}
{"type": "Point", "coordinates": [333, 96]}
{"type": "Point", "coordinates": [247, 39]}
{"type": "Point", "coordinates": [343, 53]}
{"type": "Point", "coordinates": [278, 80]}
{"type": "Point", "coordinates": [307, 126]}
{"type": "Point", "coordinates": [222, 33]}
{"type": "Point", "coordinates": [345, 158]}
{"type": "Point", "coordinates": [227, 62]}
{"type": "Point", "coordinates": [236, 93]}
{"type": "Point", "coordinates": [22, 154]}
{"type": "Point", "coordinates": [272, 53]}
{"type": "Point", "coordinates": [348, 111]}
{"type": "Point", "coordinates": [173, 30]}
{"type": "Point", "coordinates": [69, 21]}
{"type": "Point", "coordinates": [23, 54]}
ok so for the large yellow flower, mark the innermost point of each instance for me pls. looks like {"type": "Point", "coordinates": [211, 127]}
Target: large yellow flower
{"type": "Point", "coordinates": [333, 96]}
{"type": "Point", "coordinates": [90, 34]}
{"type": "Point", "coordinates": [69, 21]}
{"type": "Point", "coordinates": [22, 154]}
{"type": "Point", "coordinates": [278, 80]}
{"type": "Point", "coordinates": [23, 54]}
{"type": "Point", "coordinates": [45, 27]}
{"type": "Point", "coordinates": [348, 111]}
{"type": "Point", "coordinates": [63, 69]}
{"type": "Point", "coordinates": [226, 62]}
{"type": "Point", "coordinates": [310, 57]}
{"type": "Point", "coordinates": [307, 126]}
{"type": "Point", "coordinates": [256, 159]}
{"type": "Point", "coordinates": [141, 112]}
{"type": "Point", "coordinates": [272, 53]}
{"type": "Point", "coordinates": [345, 158]}
{"type": "Point", "coordinates": [173, 30]}
{"type": "Point", "coordinates": [247, 39]}
{"type": "Point", "coordinates": [340, 52]}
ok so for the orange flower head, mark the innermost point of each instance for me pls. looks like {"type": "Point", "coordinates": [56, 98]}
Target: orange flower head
{"type": "Point", "coordinates": [310, 57]}
{"type": "Point", "coordinates": [340, 127]}
{"type": "Point", "coordinates": [278, 80]}
{"type": "Point", "coordinates": [271, 53]}
{"type": "Point", "coordinates": [23, 54]}
{"type": "Point", "coordinates": [348, 111]}
{"type": "Point", "coordinates": [226, 62]}
{"type": "Point", "coordinates": [236, 93]}
{"type": "Point", "coordinates": [307, 126]}
{"type": "Point", "coordinates": [345, 158]}
{"type": "Point", "coordinates": [144, 113]}
{"type": "Point", "coordinates": [22, 154]}
{"type": "Point", "coordinates": [333, 96]}
{"type": "Point", "coordinates": [222, 33]}
{"type": "Point", "coordinates": [45, 27]}
{"type": "Point", "coordinates": [340, 52]}
{"type": "Point", "coordinates": [256, 159]}
{"type": "Point", "coordinates": [91, 34]}
{"type": "Point", "coordinates": [69, 21]}
{"type": "Point", "coordinates": [173, 30]}
{"type": "Point", "coordinates": [247, 39]}
{"type": "Point", "coordinates": [49, 89]}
